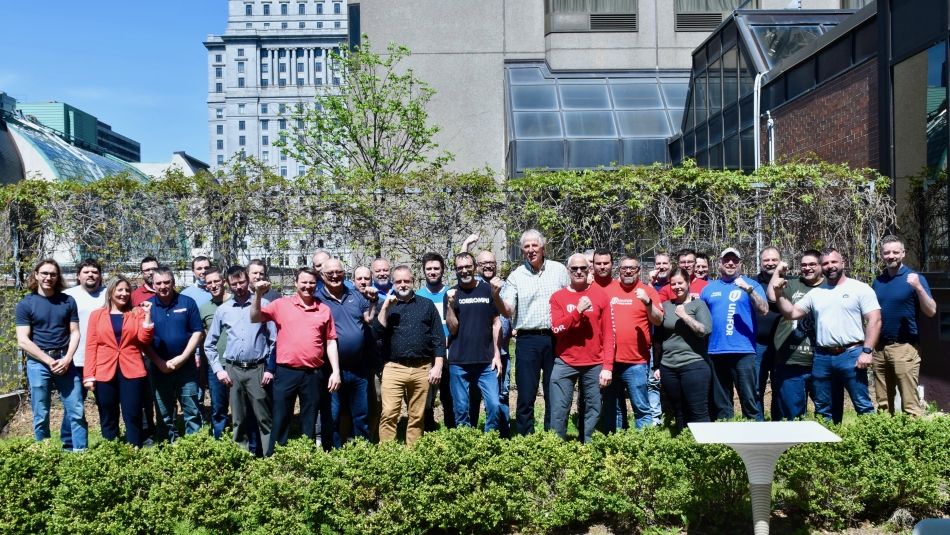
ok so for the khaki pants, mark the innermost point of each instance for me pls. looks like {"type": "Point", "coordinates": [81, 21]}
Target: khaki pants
{"type": "Point", "coordinates": [897, 368]}
{"type": "Point", "coordinates": [404, 379]}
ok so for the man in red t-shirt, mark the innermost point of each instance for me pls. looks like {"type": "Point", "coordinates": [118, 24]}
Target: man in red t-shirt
{"type": "Point", "coordinates": [634, 306]}
{"type": "Point", "coordinates": [584, 348]}
{"type": "Point", "coordinates": [686, 260]}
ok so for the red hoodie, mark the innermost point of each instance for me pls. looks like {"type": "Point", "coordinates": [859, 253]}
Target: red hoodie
{"type": "Point", "coordinates": [582, 339]}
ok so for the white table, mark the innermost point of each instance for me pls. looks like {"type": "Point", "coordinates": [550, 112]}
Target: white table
{"type": "Point", "coordinates": [760, 444]}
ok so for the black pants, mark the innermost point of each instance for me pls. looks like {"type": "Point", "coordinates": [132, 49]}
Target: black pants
{"type": "Point", "coordinates": [290, 384]}
{"type": "Point", "coordinates": [687, 389]}
{"type": "Point", "coordinates": [534, 358]}
{"type": "Point", "coordinates": [129, 394]}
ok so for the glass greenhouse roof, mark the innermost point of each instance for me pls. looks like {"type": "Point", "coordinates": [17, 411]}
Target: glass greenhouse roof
{"type": "Point", "coordinates": [584, 120]}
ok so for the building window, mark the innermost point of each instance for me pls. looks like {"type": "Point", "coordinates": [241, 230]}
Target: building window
{"type": "Point", "coordinates": [300, 66]}
{"type": "Point", "coordinates": [240, 67]}
{"type": "Point", "coordinates": [318, 81]}
{"type": "Point", "coordinates": [282, 108]}
{"type": "Point", "coordinates": [265, 68]}
{"type": "Point", "coordinates": [301, 170]}
{"type": "Point", "coordinates": [240, 82]}
{"type": "Point", "coordinates": [283, 25]}
{"type": "Point", "coordinates": [219, 129]}
{"type": "Point", "coordinates": [301, 9]}
{"type": "Point", "coordinates": [282, 82]}
{"type": "Point", "coordinates": [300, 123]}
{"type": "Point", "coordinates": [265, 140]}
{"type": "Point", "coordinates": [283, 170]}
{"type": "Point", "coordinates": [217, 58]}
{"type": "Point", "coordinates": [263, 109]}
{"type": "Point", "coordinates": [281, 53]}
{"type": "Point", "coordinates": [265, 82]}
{"type": "Point", "coordinates": [218, 88]}
{"type": "Point", "coordinates": [265, 155]}
{"type": "Point", "coordinates": [242, 141]}
{"type": "Point", "coordinates": [337, 8]}
{"type": "Point", "coordinates": [267, 9]}
{"type": "Point", "coordinates": [302, 25]}
{"type": "Point", "coordinates": [241, 125]}
{"type": "Point", "coordinates": [218, 72]}
{"type": "Point", "coordinates": [240, 52]}
{"type": "Point", "coordinates": [264, 124]}
{"type": "Point", "coordinates": [219, 113]}
{"type": "Point", "coordinates": [282, 124]}
{"type": "Point", "coordinates": [248, 9]}
{"type": "Point", "coordinates": [247, 25]}
{"type": "Point", "coordinates": [220, 144]}
{"type": "Point", "coordinates": [319, 24]}
{"type": "Point", "coordinates": [266, 25]}
{"type": "Point", "coordinates": [336, 24]}
{"type": "Point", "coordinates": [299, 82]}
{"type": "Point", "coordinates": [319, 8]}
{"type": "Point", "coordinates": [220, 159]}
{"type": "Point", "coordinates": [281, 67]}
{"type": "Point", "coordinates": [283, 156]}
{"type": "Point", "coordinates": [318, 66]}
{"type": "Point", "coordinates": [319, 52]}
{"type": "Point", "coordinates": [336, 80]}
{"type": "Point", "coordinates": [283, 9]}
{"type": "Point", "coordinates": [241, 109]}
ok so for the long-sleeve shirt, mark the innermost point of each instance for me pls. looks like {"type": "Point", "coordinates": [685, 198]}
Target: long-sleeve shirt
{"type": "Point", "coordinates": [413, 330]}
{"type": "Point", "coordinates": [583, 339]}
{"type": "Point", "coordinates": [247, 342]}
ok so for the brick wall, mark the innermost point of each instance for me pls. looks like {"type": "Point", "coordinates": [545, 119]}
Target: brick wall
{"type": "Point", "coordinates": [837, 121]}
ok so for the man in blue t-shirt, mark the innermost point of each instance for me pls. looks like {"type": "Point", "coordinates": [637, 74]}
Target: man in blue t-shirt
{"type": "Point", "coordinates": [474, 357]}
{"type": "Point", "coordinates": [734, 302]}
{"type": "Point", "coordinates": [433, 289]}
{"type": "Point", "coordinates": [174, 372]}
{"type": "Point", "coordinates": [47, 330]}
{"type": "Point", "coordinates": [903, 295]}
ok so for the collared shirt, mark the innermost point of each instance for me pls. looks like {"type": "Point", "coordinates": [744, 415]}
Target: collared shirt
{"type": "Point", "coordinates": [141, 294]}
{"type": "Point", "coordinates": [174, 325]}
{"type": "Point", "coordinates": [352, 332]}
{"type": "Point", "coordinates": [899, 305]}
{"type": "Point", "coordinates": [302, 331]}
{"type": "Point", "coordinates": [529, 293]}
{"type": "Point", "coordinates": [86, 302]}
{"type": "Point", "coordinates": [248, 342]}
{"type": "Point", "coordinates": [197, 292]}
{"type": "Point", "coordinates": [413, 330]}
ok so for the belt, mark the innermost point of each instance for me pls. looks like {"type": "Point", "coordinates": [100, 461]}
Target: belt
{"type": "Point", "coordinates": [298, 368]}
{"type": "Point", "coordinates": [245, 365]}
{"type": "Point", "coordinates": [57, 352]}
{"type": "Point", "coordinates": [837, 350]}
{"type": "Point", "coordinates": [537, 332]}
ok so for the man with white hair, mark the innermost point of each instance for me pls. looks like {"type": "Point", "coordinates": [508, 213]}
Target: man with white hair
{"type": "Point", "coordinates": [526, 298]}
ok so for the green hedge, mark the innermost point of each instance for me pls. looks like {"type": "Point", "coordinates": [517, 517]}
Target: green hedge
{"type": "Point", "coordinates": [464, 481]}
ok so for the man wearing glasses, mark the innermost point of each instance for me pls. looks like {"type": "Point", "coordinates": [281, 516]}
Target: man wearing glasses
{"type": "Point", "coordinates": [145, 292]}
{"type": "Point", "coordinates": [526, 297]}
{"type": "Point", "coordinates": [47, 330]}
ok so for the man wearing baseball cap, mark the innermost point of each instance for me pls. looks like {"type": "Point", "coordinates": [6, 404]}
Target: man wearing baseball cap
{"type": "Point", "coordinates": [734, 302]}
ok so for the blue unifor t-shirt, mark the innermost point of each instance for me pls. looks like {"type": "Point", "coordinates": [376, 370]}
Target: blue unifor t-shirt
{"type": "Point", "coordinates": [438, 298]}
{"type": "Point", "coordinates": [734, 319]}
{"type": "Point", "coordinates": [899, 306]}
{"type": "Point", "coordinates": [48, 318]}
{"type": "Point", "coordinates": [351, 330]}
{"type": "Point", "coordinates": [475, 310]}
{"type": "Point", "coordinates": [174, 325]}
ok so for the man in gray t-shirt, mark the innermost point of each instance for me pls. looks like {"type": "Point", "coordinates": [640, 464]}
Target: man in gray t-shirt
{"type": "Point", "coordinates": [848, 323]}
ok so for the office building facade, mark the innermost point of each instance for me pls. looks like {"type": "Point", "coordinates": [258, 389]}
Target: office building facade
{"type": "Point", "coordinates": [82, 129]}
{"type": "Point", "coordinates": [273, 57]}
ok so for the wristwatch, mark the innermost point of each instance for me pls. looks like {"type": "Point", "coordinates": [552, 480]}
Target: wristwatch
{"type": "Point", "coordinates": [866, 350]}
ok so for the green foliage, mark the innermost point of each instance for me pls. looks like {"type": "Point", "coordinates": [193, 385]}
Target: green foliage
{"type": "Point", "coordinates": [464, 481]}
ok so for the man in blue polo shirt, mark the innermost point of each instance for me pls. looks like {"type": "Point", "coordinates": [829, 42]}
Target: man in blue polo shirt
{"type": "Point", "coordinates": [734, 302]}
{"type": "Point", "coordinates": [47, 330]}
{"type": "Point", "coordinates": [903, 295]}
{"type": "Point", "coordinates": [174, 372]}
{"type": "Point", "coordinates": [352, 315]}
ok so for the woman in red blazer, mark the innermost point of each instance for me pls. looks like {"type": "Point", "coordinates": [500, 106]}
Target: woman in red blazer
{"type": "Point", "coordinates": [114, 367]}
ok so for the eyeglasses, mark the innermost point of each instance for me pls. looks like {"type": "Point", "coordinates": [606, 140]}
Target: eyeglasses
{"type": "Point", "coordinates": [578, 269]}
{"type": "Point", "coordinates": [487, 264]}
{"type": "Point", "coordinates": [333, 273]}
{"type": "Point", "coordinates": [48, 274]}
{"type": "Point", "coordinates": [629, 268]}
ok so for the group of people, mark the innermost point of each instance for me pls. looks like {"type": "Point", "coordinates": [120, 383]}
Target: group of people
{"type": "Point", "coordinates": [354, 352]}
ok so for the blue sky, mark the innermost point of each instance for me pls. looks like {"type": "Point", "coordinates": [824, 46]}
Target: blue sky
{"type": "Point", "coordinates": [136, 65]}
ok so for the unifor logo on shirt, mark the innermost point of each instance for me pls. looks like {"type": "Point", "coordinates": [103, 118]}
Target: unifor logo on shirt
{"type": "Point", "coordinates": [571, 308]}
{"type": "Point", "coordinates": [618, 301]}
{"type": "Point", "coordinates": [734, 296]}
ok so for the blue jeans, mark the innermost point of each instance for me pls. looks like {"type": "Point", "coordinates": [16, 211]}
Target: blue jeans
{"type": "Point", "coordinates": [219, 394]}
{"type": "Point", "coordinates": [504, 389]}
{"type": "Point", "coordinates": [563, 378]}
{"type": "Point", "coordinates": [653, 394]}
{"type": "Point", "coordinates": [635, 377]}
{"type": "Point", "coordinates": [534, 353]}
{"type": "Point", "coordinates": [171, 389]}
{"type": "Point", "coordinates": [463, 377]}
{"type": "Point", "coordinates": [74, 433]}
{"type": "Point", "coordinates": [791, 384]}
{"type": "Point", "coordinates": [735, 369]}
{"type": "Point", "coordinates": [354, 395]}
{"type": "Point", "coordinates": [831, 376]}
{"type": "Point", "coordinates": [765, 368]}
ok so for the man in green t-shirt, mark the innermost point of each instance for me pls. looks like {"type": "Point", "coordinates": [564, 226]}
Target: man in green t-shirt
{"type": "Point", "coordinates": [795, 339]}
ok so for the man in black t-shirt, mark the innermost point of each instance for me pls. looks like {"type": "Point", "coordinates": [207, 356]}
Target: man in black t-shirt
{"type": "Point", "coordinates": [474, 327]}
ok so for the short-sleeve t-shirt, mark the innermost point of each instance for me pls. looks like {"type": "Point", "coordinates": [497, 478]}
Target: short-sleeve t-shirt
{"type": "Point", "coordinates": [795, 339]}
{"type": "Point", "coordinates": [681, 345]}
{"type": "Point", "coordinates": [839, 311]}
{"type": "Point", "coordinates": [899, 306]}
{"type": "Point", "coordinates": [475, 310]}
{"type": "Point", "coordinates": [174, 325]}
{"type": "Point", "coordinates": [439, 299]}
{"type": "Point", "coordinates": [48, 318]}
{"type": "Point", "coordinates": [630, 322]}
{"type": "Point", "coordinates": [733, 316]}
{"type": "Point", "coordinates": [86, 302]}
{"type": "Point", "coordinates": [302, 331]}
